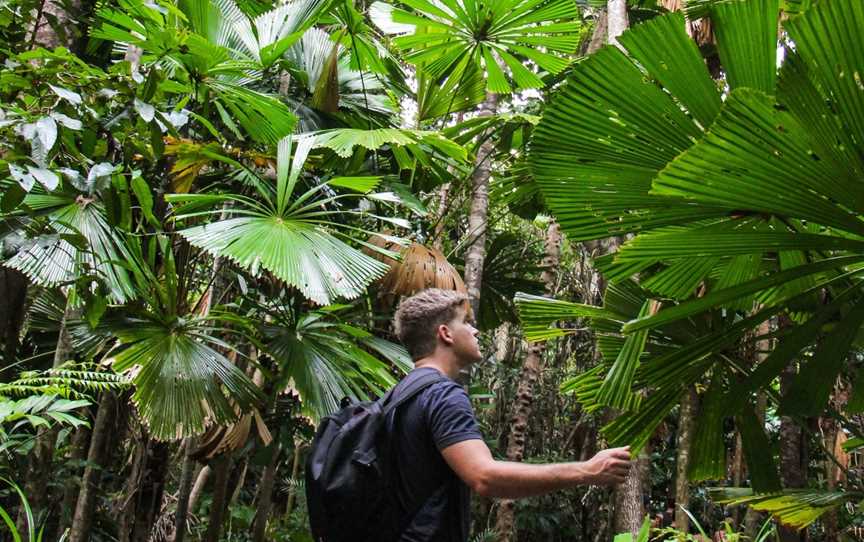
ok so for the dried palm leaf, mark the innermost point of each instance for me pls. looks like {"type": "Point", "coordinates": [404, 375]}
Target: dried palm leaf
{"type": "Point", "coordinates": [420, 267]}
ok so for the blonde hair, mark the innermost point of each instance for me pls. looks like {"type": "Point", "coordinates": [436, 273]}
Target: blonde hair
{"type": "Point", "coordinates": [418, 317]}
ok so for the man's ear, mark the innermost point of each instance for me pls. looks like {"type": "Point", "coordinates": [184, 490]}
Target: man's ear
{"type": "Point", "coordinates": [445, 334]}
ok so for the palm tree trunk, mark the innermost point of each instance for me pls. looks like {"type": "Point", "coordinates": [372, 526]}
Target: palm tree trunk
{"type": "Point", "coordinates": [82, 521]}
{"type": "Point", "coordinates": [793, 456]}
{"type": "Point", "coordinates": [221, 466]}
{"type": "Point", "coordinates": [629, 496]}
{"type": "Point", "coordinates": [478, 217]}
{"type": "Point", "coordinates": [505, 524]}
{"type": "Point", "coordinates": [184, 490]}
{"type": "Point", "coordinates": [685, 438]}
{"type": "Point", "coordinates": [265, 491]}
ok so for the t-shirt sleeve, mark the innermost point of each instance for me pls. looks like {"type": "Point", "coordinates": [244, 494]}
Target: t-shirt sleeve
{"type": "Point", "coordinates": [450, 415]}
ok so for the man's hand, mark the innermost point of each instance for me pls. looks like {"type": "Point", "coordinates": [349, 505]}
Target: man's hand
{"type": "Point", "coordinates": [608, 467]}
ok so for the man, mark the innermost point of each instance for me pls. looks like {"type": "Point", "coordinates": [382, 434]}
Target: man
{"type": "Point", "coordinates": [439, 449]}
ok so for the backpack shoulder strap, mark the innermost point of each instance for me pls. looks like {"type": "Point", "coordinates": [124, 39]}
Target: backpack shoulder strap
{"type": "Point", "coordinates": [409, 389]}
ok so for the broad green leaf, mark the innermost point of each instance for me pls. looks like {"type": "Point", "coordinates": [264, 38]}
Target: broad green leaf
{"type": "Point", "coordinates": [757, 157]}
{"type": "Point", "coordinates": [827, 36]}
{"type": "Point", "coordinates": [303, 255]}
{"type": "Point", "coordinates": [708, 450]}
{"type": "Point", "coordinates": [760, 463]}
{"type": "Point", "coordinates": [797, 508]}
{"type": "Point", "coordinates": [812, 387]}
{"type": "Point", "coordinates": [720, 297]}
{"type": "Point", "coordinates": [537, 314]}
{"type": "Point", "coordinates": [663, 48]}
{"type": "Point", "coordinates": [628, 130]}
{"type": "Point", "coordinates": [746, 34]}
{"type": "Point", "coordinates": [182, 380]}
{"type": "Point", "coordinates": [617, 390]}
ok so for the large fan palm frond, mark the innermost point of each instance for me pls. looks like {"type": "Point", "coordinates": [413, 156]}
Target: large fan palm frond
{"type": "Point", "coordinates": [457, 39]}
{"type": "Point", "coordinates": [84, 244]}
{"type": "Point", "coordinates": [298, 239]}
{"type": "Point", "coordinates": [325, 360]}
{"type": "Point", "coordinates": [177, 361]}
{"type": "Point", "coordinates": [750, 195]}
{"type": "Point", "coordinates": [182, 379]}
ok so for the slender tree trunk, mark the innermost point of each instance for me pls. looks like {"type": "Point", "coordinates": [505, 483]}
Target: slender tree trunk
{"type": "Point", "coordinates": [478, 218]}
{"type": "Point", "coordinates": [82, 521]}
{"type": "Point", "coordinates": [78, 453]}
{"type": "Point", "coordinates": [151, 490]}
{"type": "Point", "coordinates": [438, 238]}
{"type": "Point", "coordinates": [184, 490]}
{"type": "Point", "coordinates": [793, 456]}
{"type": "Point", "coordinates": [737, 475]}
{"type": "Point", "coordinates": [44, 34]}
{"type": "Point", "coordinates": [221, 466]}
{"type": "Point", "coordinates": [13, 302]}
{"type": "Point", "coordinates": [265, 493]}
{"type": "Point", "coordinates": [143, 496]}
{"type": "Point", "coordinates": [505, 524]}
{"type": "Point", "coordinates": [618, 21]}
{"type": "Point", "coordinates": [629, 496]}
{"type": "Point", "coordinates": [685, 439]}
{"type": "Point", "coordinates": [834, 474]}
{"type": "Point", "coordinates": [198, 487]}
{"type": "Point", "coordinates": [36, 487]}
{"type": "Point", "coordinates": [756, 351]}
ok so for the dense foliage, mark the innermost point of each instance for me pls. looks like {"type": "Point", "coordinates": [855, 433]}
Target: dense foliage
{"type": "Point", "coordinates": [210, 207]}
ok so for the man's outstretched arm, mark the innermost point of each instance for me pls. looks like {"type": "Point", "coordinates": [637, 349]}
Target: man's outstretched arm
{"type": "Point", "coordinates": [472, 461]}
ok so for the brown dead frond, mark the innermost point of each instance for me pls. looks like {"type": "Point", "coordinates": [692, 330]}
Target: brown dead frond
{"type": "Point", "coordinates": [420, 267]}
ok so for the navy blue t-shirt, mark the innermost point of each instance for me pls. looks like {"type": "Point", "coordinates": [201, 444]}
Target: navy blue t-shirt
{"type": "Point", "coordinates": [429, 491]}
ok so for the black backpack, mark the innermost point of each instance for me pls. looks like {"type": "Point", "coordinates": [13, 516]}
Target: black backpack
{"type": "Point", "coordinates": [349, 472]}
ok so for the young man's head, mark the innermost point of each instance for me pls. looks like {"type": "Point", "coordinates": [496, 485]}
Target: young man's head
{"type": "Point", "coordinates": [440, 320]}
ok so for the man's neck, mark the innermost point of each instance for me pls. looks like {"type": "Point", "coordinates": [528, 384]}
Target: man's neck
{"type": "Point", "coordinates": [447, 366]}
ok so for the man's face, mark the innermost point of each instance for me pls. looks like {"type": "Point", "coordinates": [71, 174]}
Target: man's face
{"type": "Point", "coordinates": [464, 335]}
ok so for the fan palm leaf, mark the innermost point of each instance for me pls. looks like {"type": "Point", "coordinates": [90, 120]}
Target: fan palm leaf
{"type": "Point", "coordinates": [176, 360]}
{"type": "Point", "coordinates": [181, 379]}
{"type": "Point", "coordinates": [325, 360]}
{"type": "Point", "coordinates": [752, 194]}
{"type": "Point", "coordinates": [459, 39]}
{"type": "Point", "coordinates": [83, 244]}
{"type": "Point", "coordinates": [298, 239]}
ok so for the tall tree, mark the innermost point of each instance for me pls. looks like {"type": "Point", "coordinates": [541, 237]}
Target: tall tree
{"type": "Point", "coordinates": [532, 366]}
{"type": "Point", "coordinates": [82, 521]}
{"type": "Point", "coordinates": [684, 441]}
